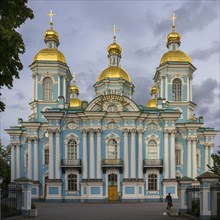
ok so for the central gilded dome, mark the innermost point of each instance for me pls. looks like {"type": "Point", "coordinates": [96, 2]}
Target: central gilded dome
{"type": "Point", "coordinates": [114, 72]}
{"type": "Point", "coordinates": [50, 54]}
{"type": "Point", "coordinates": [175, 56]}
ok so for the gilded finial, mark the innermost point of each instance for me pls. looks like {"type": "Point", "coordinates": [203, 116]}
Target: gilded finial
{"type": "Point", "coordinates": [173, 17]}
{"type": "Point", "coordinates": [51, 18]}
{"type": "Point", "coordinates": [114, 30]}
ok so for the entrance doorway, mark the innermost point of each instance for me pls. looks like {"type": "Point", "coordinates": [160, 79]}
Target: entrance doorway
{"type": "Point", "coordinates": [112, 187]}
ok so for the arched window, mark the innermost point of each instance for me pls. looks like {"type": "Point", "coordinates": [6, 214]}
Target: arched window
{"type": "Point", "coordinates": [177, 90]}
{"type": "Point", "coordinates": [72, 150]}
{"type": "Point", "coordinates": [152, 182]}
{"type": "Point", "coordinates": [47, 88]}
{"type": "Point", "coordinates": [152, 150]}
{"type": "Point", "coordinates": [72, 182]}
{"type": "Point", "coordinates": [112, 149]}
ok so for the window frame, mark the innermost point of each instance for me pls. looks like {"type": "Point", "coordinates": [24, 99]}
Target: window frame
{"type": "Point", "coordinates": [47, 89]}
{"type": "Point", "coordinates": [177, 90]}
{"type": "Point", "coordinates": [152, 183]}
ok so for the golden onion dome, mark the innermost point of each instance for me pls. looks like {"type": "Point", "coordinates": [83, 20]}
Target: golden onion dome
{"type": "Point", "coordinates": [153, 90]}
{"type": "Point", "coordinates": [175, 56]}
{"type": "Point", "coordinates": [75, 102]}
{"type": "Point", "coordinates": [151, 103]}
{"type": "Point", "coordinates": [114, 72]}
{"type": "Point", "coordinates": [173, 37]}
{"type": "Point", "coordinates": [74, 89]}
{"type": "Point", "coordinates": [50, 54]}
{"type": "Point", "coordinates": [114, 48]}
{"type": "Point", "coordinates": [51, 34]}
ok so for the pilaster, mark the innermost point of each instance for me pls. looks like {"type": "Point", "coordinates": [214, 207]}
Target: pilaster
{"type": "Point", "coordinates": [57, 164]}
{"type": "Point", "coordinates": [84, 132]}
{"type": "Point", "coordinates": [36, 178]}
{"type": "Point", "coordinates": [133, 154]}
{"type": "Point", "coordinates": [91, 154]}
{"type": "Point", "coordinates": [125, 153]}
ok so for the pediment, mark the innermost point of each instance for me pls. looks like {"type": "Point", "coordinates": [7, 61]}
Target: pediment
{"type": "Point", "coordinates": [112, 103]}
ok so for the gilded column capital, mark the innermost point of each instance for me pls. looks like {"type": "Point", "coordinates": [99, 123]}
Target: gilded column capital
{"type": "Point", "coordinates": [133, 130]}
{"type": "Point", "coordinates": [125, 131]}
{"type": "Point", "coordinates": [140, 131]}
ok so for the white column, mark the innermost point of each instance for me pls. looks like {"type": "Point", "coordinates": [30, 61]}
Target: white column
{"type": "Point", "coordinates": [57, 169]}
{"type": "Point", "coordinates": [126, 154]}
{"type": "Point", "coordinates": [51, 171]}
{"type": "Point", "coordinates": [29, 167]}
{"type": "Point", "coordinates": [206, 157]}
{"type": "Point", "coordinates": [64, 88]}
{"type": "Point", "coordinates": [33, 86]}
{"type": "Point", "coordinates": [12, 163]}
{"type": "Point", "coordinates": [189, 158]}
{"type": "Point", "coordinates": [140, 155]}
{"type": "Point", "coordinates": [36, 87]}
{"type": "Point", "coordinates": [194, 169]}
{"type": "Point", "coordinates": [172, 156]}
{"type": "Point", "coordinates": [161, 88]}
{"type": "Point", "coordinates": [84, 170]}
{"type": "Point", "coordinates": [211, 152]}
{"type": "Point", "coordinates": [58, 85]}
{"type": "Point", "coordinates": [18, 174]}
{"type": "Point", "coordinates": [166, 88]}
{"type": "Point", "coordinates": [91, 154]}
{"type": "Point", "coordinates": [188, 89]}
{"type": "Point", "coordinates": [133, 155]}
{"type": "Point", "coordinates": [36, 160]}
{"type": "Point", "coordinates": [99, 157]}
{"type": "Point", "coordinates": [166, 162]}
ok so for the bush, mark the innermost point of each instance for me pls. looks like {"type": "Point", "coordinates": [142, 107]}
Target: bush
{"type": "Point", "coordinates": [33, 206]}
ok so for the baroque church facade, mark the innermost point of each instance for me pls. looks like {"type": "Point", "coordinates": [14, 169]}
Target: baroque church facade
{"type": "Point", "coordinates": [111, 148]}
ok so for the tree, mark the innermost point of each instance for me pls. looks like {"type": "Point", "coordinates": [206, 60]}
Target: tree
{"type": "Point", "coordinates": [216, 163]}
{"type": "Point", "coordinates": [13, 13]}
{"type": "Point", "coordinates": [5, 170]}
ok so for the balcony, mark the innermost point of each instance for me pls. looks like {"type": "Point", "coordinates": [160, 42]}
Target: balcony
{"type": "Point", "coordinates": [112, 163]}
{"type": "Point", "coordinates": [71, 163]}
{"type": "Point", "coordinates": [153, 163]}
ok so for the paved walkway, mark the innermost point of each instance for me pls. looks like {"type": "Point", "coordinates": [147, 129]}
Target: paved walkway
{"type": "Point", "coordinates": [103, 211]}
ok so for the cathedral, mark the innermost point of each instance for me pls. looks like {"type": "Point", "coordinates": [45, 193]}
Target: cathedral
{"type": "Point", "coordinates": [110, 148]}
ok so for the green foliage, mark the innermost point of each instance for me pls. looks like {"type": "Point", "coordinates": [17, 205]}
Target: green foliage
{"type": "Point", "coordinates": [216, 163]}
{"type": "Point", "coordinates": [5, 169]}
{"type": "Point", "coordinates": [13, 13]}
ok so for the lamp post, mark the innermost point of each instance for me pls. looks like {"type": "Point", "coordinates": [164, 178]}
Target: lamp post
{"type": "Point", "coordinates": [1, 179]}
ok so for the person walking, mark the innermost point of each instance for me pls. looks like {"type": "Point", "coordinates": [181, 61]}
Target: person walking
{"type": "Point", "coordinates": [169, 201]}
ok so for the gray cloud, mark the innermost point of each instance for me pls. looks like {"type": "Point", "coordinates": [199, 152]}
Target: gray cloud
{"type": "Point", "coordinates": [192, 16]}
{"type": "Point", "coordinates": [204, 54]}
{"type": "Point", "coordinates": [20, 95]}
{"type": "Point", "coordinates": [147, 51]}
{"type": "Point", "coordinates": [204, 93]}
{"type": "Point", "coordinates": [18, 107]}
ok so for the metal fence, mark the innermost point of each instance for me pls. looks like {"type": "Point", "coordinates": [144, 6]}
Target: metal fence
{"type": "Point", "coordinates": [11, 201]}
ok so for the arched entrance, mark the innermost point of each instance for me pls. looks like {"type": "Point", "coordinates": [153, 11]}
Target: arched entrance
{"type": "Point", "coordinates": [112, 187]}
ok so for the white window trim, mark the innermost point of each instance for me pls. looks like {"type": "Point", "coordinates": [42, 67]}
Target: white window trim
{"type": "Point", "coordinates": [67, 139]}
{"type": "Point", "coordinates": [179, 146]}
{"type": "Point", "coordinates": [117, 139]}
{"type": "Point", "coordinates": [153, 171]}
{"type": "Point", "coordinates": [68, 172]}
{"type": "Point", "coordinates": [155, 138]}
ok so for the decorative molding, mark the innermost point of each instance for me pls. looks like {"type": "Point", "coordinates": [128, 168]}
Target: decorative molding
{"type": "Point", "coordinates": [152, 137]}
{"type": "Point", "coordinates": [71, 136]}
{"type": "Point", "coordinates": [45, 75]}
{"type": "Point", "coordinates": [112, 136]}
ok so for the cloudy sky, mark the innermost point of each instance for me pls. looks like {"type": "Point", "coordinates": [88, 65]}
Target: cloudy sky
{"type": "Point", "coordinates": [85, 31]}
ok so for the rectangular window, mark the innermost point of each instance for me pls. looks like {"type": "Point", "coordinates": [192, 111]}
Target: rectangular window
{"type": "Point", "coordinates": [152, 182]}
{"type": "Point", "coordinates": [72, 182]}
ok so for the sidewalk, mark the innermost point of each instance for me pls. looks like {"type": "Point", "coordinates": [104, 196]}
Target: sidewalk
{"type": "Point", "coordinates": [103, 211]}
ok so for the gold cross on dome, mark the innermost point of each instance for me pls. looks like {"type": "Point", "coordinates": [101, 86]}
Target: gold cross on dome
{"type": "Point", "coordinates": [51, 17]}
{"type": "Point", "coordinates": [173, 17]}
{"type": "Point", "coordinates": [114, 30]}
{"type": "Point", "coordinates": [74, 75]}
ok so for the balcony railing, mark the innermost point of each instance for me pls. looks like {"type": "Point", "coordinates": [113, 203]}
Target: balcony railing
{"type": "Point", "coordinates": [147, 163]}
{"type": "Point", "coordinates": [112, 163]}
{"type": "Point", "coordinates": [71, 163]}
